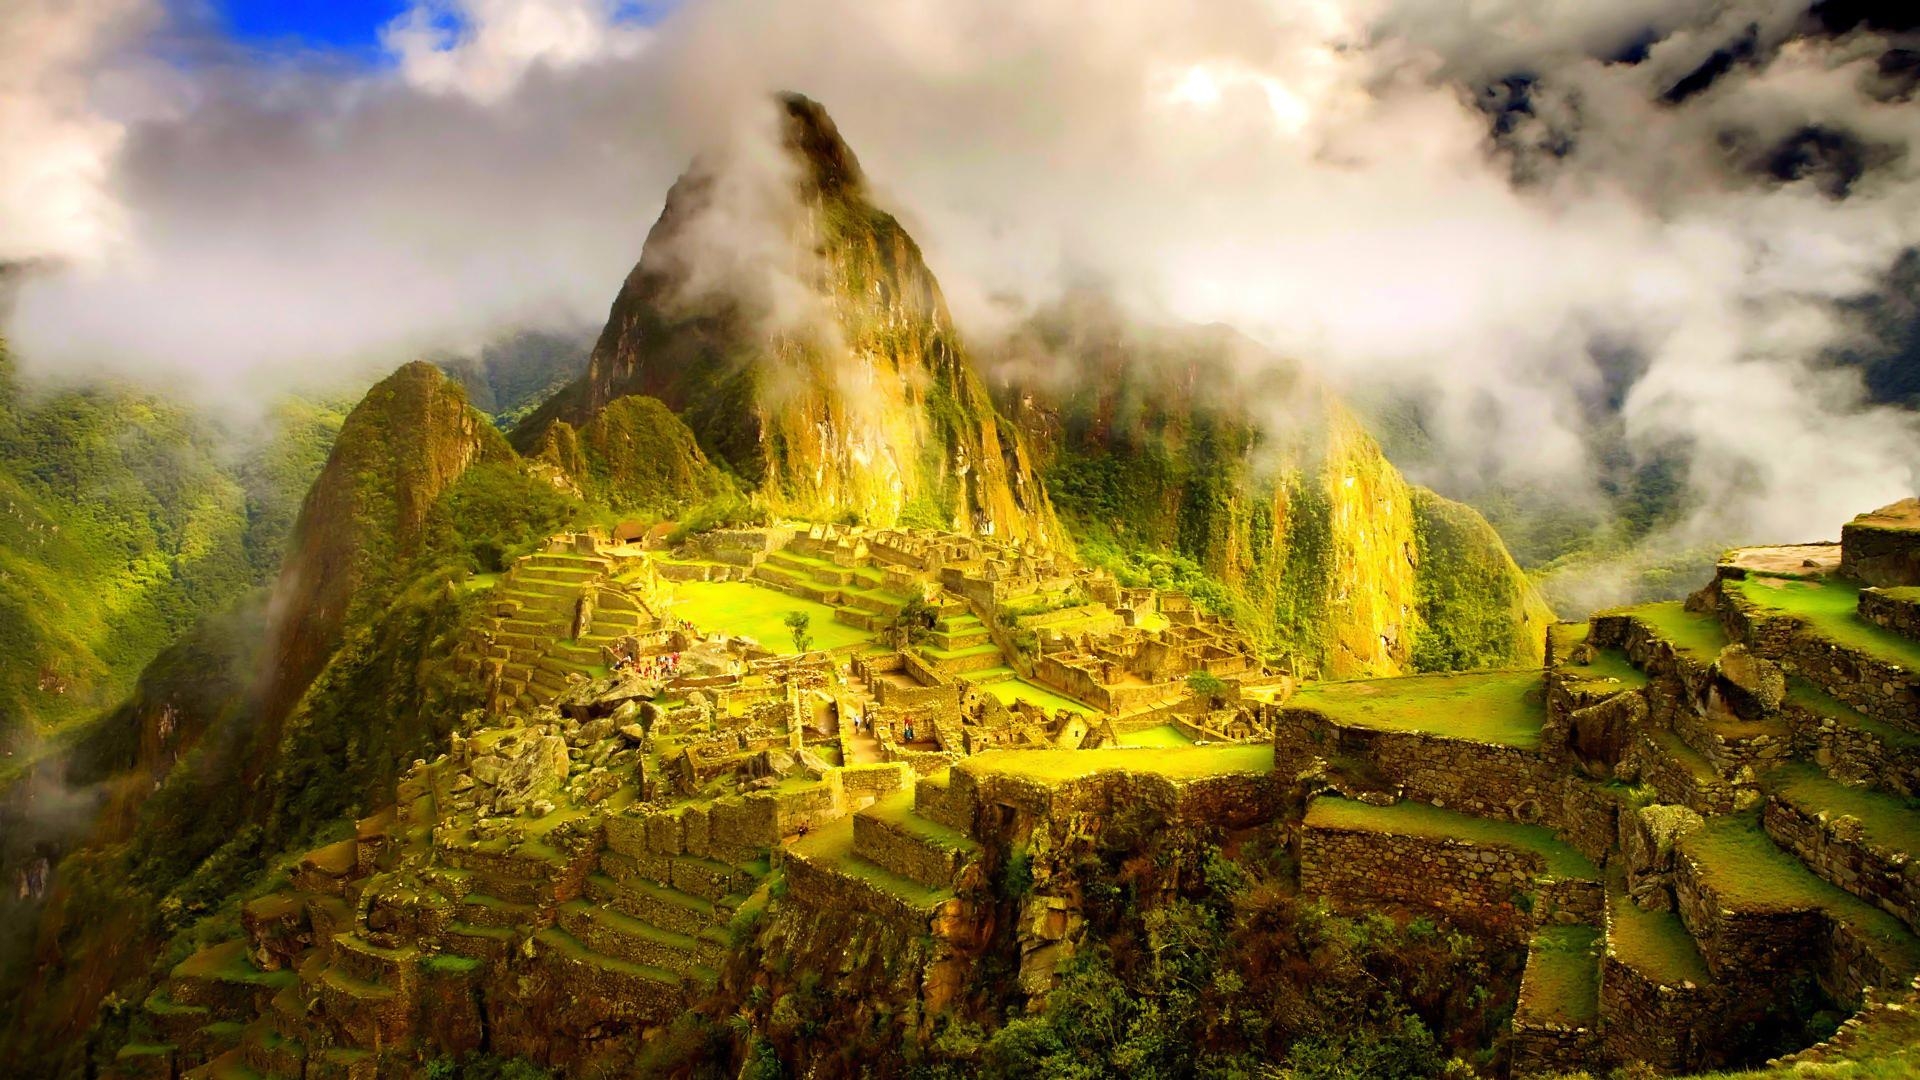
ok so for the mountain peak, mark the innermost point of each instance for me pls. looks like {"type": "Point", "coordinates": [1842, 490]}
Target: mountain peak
{"type": "Point", "coordinates": [814, 139]}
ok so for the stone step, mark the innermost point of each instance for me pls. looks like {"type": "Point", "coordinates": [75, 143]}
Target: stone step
{"type": "Point", "coordinates": [960, 639]}
{"type": "Point", "coordinates": [614, 988]}
{"type": "Point", "coordinates": [172, 1019]}
{"type": "Point", "coordinates": [566, 560]}
{"type": "Point", "coordinates": [1682, 775]}
{"type": "Point", "coordinates": [371, 963]}
{"type": "Point", "coordinates": [146, 1061]}
{"type": "Point", "coordinates": [271, 1053]}
{"type": "Point", "coordinates": [616, 934]}
{"type": "Point", "coordinates": [660, 905]}
{"type": "Point", "coordinates": [824, 872]}
{"type": "Point", "coordinates": [1850, 746]}
{"type": "Point", "coordinates": [961, 661]}
{"type": "Point", "coordinates": [221, 979]}
{"type": "Point", "coordinates": [891, 835]}
{"type": "Point", "coordinates": [1856, 838]}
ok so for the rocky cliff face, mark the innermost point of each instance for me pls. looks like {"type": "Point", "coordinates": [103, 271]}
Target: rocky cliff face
{"type": "Point", "coordinates": [1157, 440]}
{"type": "Point", "coordinates": [405, 444]}
{"type": "Point", "coordinates": [794, 326]}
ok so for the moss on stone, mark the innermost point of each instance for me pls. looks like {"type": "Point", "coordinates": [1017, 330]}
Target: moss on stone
{"type": "Point", "coordinates": [1409, 818]}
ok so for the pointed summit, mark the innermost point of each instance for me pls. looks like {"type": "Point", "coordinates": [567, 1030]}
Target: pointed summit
{"type": "Point", "coordinates": [794, 326]}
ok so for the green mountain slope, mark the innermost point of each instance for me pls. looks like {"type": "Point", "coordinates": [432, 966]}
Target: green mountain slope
{"type": "Point", "coordinates": [125, 517]}
{"type": "Point", "coordinates": [1264, 494]}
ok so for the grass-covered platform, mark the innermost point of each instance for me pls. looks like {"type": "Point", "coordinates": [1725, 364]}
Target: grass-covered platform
{"type": "Point", "coordinates": [1886, 821]}
{"type": "Point", "coordinates": [1506, 708]}
{"type": "Point", "coordinates": [1828, 606]}
{"type": "Point", "coordinates": [1562, 981]}
{"type": "Point", "coordinates": [743, 609]}
{"type": "Point", "coordinates": [1409, 818]}
{"type": "Point", "coordinates": [1695, 634]}
{"type": "Point", "coordinates": [1749, 872]}
{"type": "Point", "coordinates": [1654, 943]}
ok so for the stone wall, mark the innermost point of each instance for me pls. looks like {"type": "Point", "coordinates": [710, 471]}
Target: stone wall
{"type": "Point", "coordinates": [1854, 753]}
{"type": "Point", "coordinates": [1879, 555]}
{"type": "Point", "coordinates": [1876, 687]}
{"type": "Point", "coordinates": [1474, 884]}
{"type": "Point", "coordinates": [1899, 614]}
{"type": "Point", "coordinates": [1668, 1027]}
{"type": "Point", "coordinates": [1484, 779]}
{"type": "Point", "coordinates": [1835, 849]}
{"type": "Point", "coordinates": [1229, 801]}
{"type": "Point", "coordinates": [1746, 949]}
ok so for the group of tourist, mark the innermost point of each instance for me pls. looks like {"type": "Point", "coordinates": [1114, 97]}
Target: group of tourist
{"type": "Point", "coordinates": [659, 666]}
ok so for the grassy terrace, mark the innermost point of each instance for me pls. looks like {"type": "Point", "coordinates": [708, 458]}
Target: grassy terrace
{"type": "Point", "coordinates": [1693, 633]}
{"type": "Point", "coordinates": [1562, 980]}
{"type": "Point", "coordinates": [1434, 823]}
{"type": "Point", "coordinates": [1749, 872]}
{"type": "Point", "coordinates": [897, 810]}
{"type": "Point", "coordinates": [1886, 821]}
{"type": "Point", "coordinates": [1608, 663]}
{"type": "Point", "coordinates": [1820, 703]}
{"type": "Point", "coordinates": [1174, 763]}
{"type": "Point", "coordinates": [1827, 606]}
{"type": "Point", "coordinates": [228, 962]}
{"type": "Point", "coordinates": [736, 607]}
{"type": "Point", "coordinates": [1502, 707]}
{"type": "Point", "coordinates": [1654, 943]}
{"type": "Point", "coordinates": [832, 846]}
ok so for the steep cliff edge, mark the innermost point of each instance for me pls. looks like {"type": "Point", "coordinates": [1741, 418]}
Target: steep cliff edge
{"type": "Point", "coordinates": [1190, 441]}
{"type": "Point", "coordinates": [794, 326]}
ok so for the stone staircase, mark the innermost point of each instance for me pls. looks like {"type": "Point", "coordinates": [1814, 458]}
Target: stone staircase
{"type": "Point", "coordinates": [533, 615]}
{"type": "Point", "coordinates": [859, 594]}
{"type": "Point", "coordinates": [890, 859]}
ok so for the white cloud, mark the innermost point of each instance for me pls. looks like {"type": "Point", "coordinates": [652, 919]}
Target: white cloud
{"type": "Point", "coordinates": [1320, 175]}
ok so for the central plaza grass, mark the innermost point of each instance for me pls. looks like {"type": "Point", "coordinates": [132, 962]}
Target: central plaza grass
{"type": "Point", "coordinates": [1434, 823]}
{"type": "Point", "coordinates": [1012, 690]}
{"type": "Point", "coordinates": [1562, 980]}
{"type": "Point", "coordinates": [1828, 607]}
{"type": "Point", "coordinates": [1697, 634]}
{"type": "Point", "coordinates": [1164, 735]}
{"type": "Point", "coordinates": [1174, 763]}
{"type": "Point", "coordinates": [742, 609]}
{"type": "Point", "coordinates": [1502, 707]}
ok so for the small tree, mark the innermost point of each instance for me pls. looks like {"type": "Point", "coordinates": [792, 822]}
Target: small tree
{"type": "Point", "coordinates": [797, 624]}
{"type": "Point", "coordinates": [913, 622]}
{"type": "Point", "coordinates": [1206, 684]}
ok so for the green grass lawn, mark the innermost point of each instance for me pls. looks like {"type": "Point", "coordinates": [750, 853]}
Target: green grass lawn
{"type": "Point", "coordinates": [1696, 634]}
{"type": "Point", "coordinates": [1609, 663]}
{"type": "Point", "coordinates": [1164, 735]}
{"type": "Point", "coordinates": [1178, 763]}
{"type": "Point", "coordinates": [1562, 980]}
{"type": "Point", "coordinates": [1502, 707]}
{"type": "Point", "coordinates": [1435, 823]}
{"type": "Point", "coordinates": [1654, 943]}
{"type": "Point", "coordinates": [743, 609]}
{"type": "Point", "coordinates": [1012, 690]}
{"type": "Point", "coordinates": [1828, 607]}
{"type": "Point", "coordinates": [1886, 820]}
{"type": "Point", "coordinates": [1748, 871]}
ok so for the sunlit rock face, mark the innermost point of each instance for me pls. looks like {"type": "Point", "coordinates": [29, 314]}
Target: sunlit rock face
{"type": "Point", "coordinates": [794, 326]}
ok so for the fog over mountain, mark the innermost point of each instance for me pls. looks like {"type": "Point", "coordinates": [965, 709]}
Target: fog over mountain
{"type": "Point", "coordinates": [1538, 218]}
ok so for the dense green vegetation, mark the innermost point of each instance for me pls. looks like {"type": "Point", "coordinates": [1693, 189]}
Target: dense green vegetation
{"type": "Point", "coordinates": [124, 518]}
{"type": "Point", "coordinates": [1475, 608]}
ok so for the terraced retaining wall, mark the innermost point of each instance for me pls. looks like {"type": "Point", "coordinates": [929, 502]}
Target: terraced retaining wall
{"type": "Point", "coordinates": [1478, 884]}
